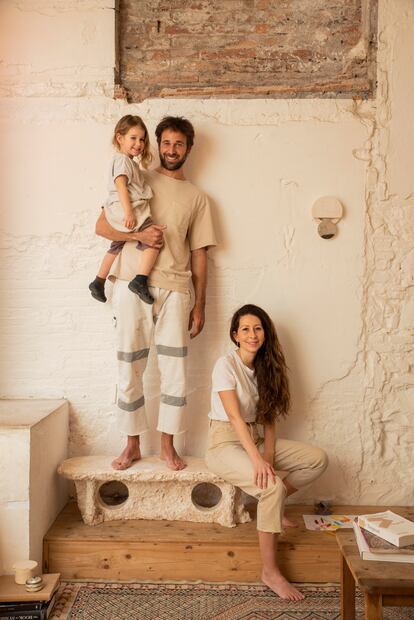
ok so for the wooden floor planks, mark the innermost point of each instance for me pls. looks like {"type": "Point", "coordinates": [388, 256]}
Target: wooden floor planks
{"type": "Point", "coordinates": [164, 550]}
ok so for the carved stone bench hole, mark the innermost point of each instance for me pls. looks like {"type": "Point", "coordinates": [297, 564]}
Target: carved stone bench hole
{"type": "Point", "coordinates": [206, 496]}
{"type": "Point", "coordinates": [113, 493]}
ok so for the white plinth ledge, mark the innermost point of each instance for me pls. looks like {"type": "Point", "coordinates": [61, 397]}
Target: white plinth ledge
{"type": "Point", "coordinates": [33, 441]}
{"type": "Point", "coordinates": [149, 490]}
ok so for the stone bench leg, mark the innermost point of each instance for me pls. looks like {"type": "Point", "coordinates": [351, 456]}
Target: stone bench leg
{"type": "Point", "coordinates": [87, 492]}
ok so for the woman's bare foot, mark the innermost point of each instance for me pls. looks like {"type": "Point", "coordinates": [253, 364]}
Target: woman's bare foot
{"type": "Point", "coordinates": [280, 586]}
{"type": "Point", "coordinates": [169, 454]}
{"type": "Point", "coordinates": [288, 522]}
{"type": "Point", "coordinates": [129, 455]}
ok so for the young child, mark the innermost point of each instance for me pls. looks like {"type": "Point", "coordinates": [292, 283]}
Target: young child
{"type": "Point", "coordinates": [127, 207]}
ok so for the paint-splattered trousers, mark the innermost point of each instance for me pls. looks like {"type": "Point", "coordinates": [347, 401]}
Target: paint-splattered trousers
{"type": "Point", "coordinates": [166, 320]}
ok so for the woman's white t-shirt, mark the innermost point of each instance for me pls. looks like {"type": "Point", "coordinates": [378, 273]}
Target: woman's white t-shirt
{"type": "Point", "coordinates": [231, 374]}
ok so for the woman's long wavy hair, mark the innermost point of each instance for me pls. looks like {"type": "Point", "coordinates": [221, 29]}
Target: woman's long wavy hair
{"type": "Point", "coordinates": [123, 126]}
{"type": "Point", "coordinates": [270, 368]}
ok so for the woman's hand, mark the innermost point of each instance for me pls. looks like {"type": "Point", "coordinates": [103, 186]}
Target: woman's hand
{"type": "Point", "coordinates": [130, 220]}
{"type": "Point", "coordinates": [263, 473]}
{"type": "Point", "coordinates": [269, 458]}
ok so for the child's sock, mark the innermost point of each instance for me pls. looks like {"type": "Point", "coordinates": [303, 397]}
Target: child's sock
{"type": "Point", "coordinates": [139, 286]}
{"type": "Point", "coordinates": [97, 289]}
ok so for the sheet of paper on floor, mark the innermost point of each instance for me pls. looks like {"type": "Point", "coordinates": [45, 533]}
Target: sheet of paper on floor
{"type": "Point", "coordinates": [328, 523]}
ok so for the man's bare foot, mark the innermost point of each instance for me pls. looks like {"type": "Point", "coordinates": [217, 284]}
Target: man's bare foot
{"type": "Point", "coordinates": [169, 454]}
{"type": "Point", "coordinates": [280, 586]}
{"type": "Point", "coordinates": [288, 522]}
{"type": "Point", "coordinates": [128, 456]}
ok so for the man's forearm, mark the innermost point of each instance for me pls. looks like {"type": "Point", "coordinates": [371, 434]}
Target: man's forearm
{"type": "Point", "coordinates": [104, 229]}
{"type": "Point", "coordinates": [199, 275]}
{"type": "Point", "coordinates": [152, 235]}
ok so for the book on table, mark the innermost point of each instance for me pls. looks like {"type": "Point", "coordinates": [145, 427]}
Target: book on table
{"type": "Point", "coordinates": [28, 610]}
{"type": "Point", "coordinates": [373, 547]}
{"type": "Point", "coordinates": [389, 526]}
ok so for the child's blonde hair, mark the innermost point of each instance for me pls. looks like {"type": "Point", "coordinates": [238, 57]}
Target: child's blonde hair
{"type": "Point", "coordinates": [123, 126]}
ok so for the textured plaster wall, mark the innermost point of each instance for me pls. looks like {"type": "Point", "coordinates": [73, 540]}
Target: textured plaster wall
{"type": "Point", "coordinates": [343, 308]}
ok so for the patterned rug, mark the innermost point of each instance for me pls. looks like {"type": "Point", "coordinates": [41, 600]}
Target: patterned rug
{"type": "Point", "coordinates": [200, 601]}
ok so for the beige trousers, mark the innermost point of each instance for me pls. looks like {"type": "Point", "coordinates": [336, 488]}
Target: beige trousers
{"type": "Point", "coordinates": [295, 462]}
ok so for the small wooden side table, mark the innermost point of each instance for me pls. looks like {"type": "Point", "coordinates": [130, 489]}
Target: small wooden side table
{"type": "Point", "coordinates": [383, 583]}
{"type": "Point", "coordinates": [10, 591]}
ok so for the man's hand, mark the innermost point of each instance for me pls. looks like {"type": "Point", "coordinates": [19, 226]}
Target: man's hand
{"type": "Point", "coordinates": [199, 277]}
{"type": "Point", "coordinates": [196, 321]}
{"type": "Point", "coordinates": [152, 236]}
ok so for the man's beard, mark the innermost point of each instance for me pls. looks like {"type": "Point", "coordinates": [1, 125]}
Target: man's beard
{"type": "Point", "coordinates": [175, 165]}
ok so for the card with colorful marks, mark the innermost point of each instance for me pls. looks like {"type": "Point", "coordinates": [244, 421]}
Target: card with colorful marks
{"type": "Point", "coordinates": [329, 523]}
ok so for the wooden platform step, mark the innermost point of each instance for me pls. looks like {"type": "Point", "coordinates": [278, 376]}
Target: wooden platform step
{"type": "Point", "coordinates": [167, 550]}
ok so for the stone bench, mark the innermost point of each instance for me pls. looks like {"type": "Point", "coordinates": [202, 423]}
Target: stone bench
{"type": "Point", "coordinates": [149, 490]}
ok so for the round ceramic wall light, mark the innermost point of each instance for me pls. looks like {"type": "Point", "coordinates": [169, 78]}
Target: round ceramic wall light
{"type": "Point", "coordinates": [327, 211]}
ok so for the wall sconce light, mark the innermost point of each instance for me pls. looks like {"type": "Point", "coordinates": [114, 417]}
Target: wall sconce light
{"type": "Point", "coordinates": [327, 211]}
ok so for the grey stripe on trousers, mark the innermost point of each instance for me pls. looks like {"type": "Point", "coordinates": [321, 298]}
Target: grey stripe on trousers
{"type": "Point", "coordinates": [175, 401]}
{"type": "Point", "coordinates": [133, 356]}
{"type": "Point", "coordinates": [171, 351]}
{"type": "Point", "coordinates": [137, 404]}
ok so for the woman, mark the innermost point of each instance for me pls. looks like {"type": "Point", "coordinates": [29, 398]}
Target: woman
{"type": "Point", "coordinates": [250, 388]}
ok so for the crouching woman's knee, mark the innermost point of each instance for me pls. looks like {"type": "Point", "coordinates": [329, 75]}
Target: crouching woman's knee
{"type": "Point", "coordinates": [319, 460]}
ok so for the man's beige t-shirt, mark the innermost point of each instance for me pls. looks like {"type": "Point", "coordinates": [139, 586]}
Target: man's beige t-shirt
{"type": "Point", "coordinates": [185, 210]}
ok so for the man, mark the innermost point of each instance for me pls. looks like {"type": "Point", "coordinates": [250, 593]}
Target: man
{"type": "Point", "coordinates": [184, 231]}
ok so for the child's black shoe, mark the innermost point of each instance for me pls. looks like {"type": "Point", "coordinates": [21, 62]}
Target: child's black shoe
{"type": "Point", "coordinates": [139, 286]}
{"type": "Point", "coordinates": [97, 289]}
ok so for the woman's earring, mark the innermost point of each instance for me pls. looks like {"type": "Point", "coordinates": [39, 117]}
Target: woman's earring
{"type": "Point", "coordinates": [238, 344]}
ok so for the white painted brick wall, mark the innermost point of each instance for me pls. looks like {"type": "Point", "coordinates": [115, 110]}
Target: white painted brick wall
{"type": "Point", "coordinates": [343, 308]}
